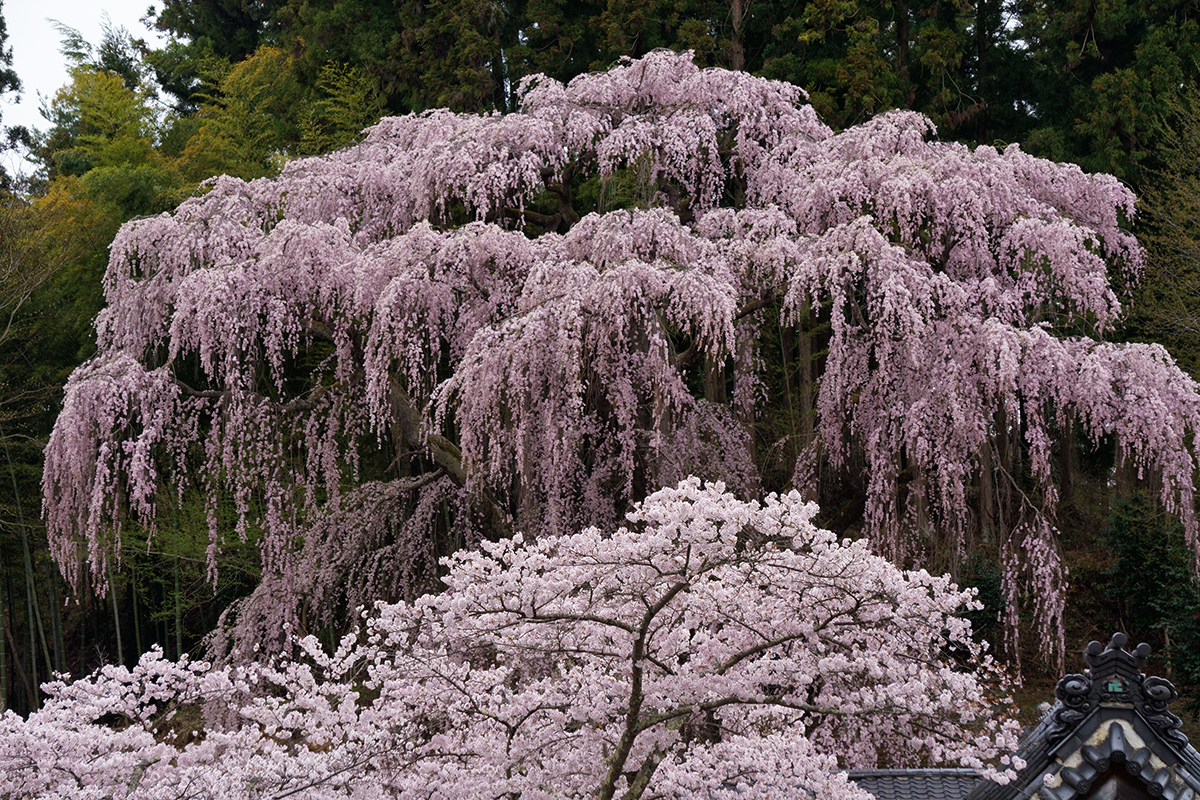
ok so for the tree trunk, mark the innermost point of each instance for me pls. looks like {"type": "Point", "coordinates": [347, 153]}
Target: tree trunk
{"type": "Point", "coordinates": [112, 593]}
{"type": "Point", "coordinates": [35, 607]}
{"type": "Point", "coordinates": [83, 620]}
{"type": "Point", "coordinates": [805, 388]}
{"type": "Point", "coordinates": [30, 691]}
{"type": "Point", "coordinates": [3, 654]}
{"type": "Point", "coordinates": [56, 629]}
{"type": "Point", "coordinates": [739, 10]}
{"type": "Point", "coordinates": [31, 599]}
{"type": "Point", "coordinates": [714, 381]}
{"type": "Point", "coordinates": [31, 651]}
{"type": "Point", "coordinates": [787, 343]}
{"type": "Point", "coordinates": [137, 622]}
{"type": "Point", "coordinates": [903, 34]}
{"type": "Point", "coordinates": [1000, 462]}
{"type": "Point", "coordinates": [178, 615]}
{"type": "Point", "coordinates": [988, 528]}
{"type": "Point", "coordinates": [1068, 466]}
{"type": "Point", "coordinates": [1122, 475]}
{"type": "Point", "coordinates": [982, 35]}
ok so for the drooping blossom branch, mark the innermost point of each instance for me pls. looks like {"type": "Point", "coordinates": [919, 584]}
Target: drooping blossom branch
{"type": "Point", "coordinates": [558, 361]}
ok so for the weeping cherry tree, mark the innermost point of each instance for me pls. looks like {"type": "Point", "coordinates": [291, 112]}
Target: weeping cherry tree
{"type": "Point", "coordinates": [467, 326]}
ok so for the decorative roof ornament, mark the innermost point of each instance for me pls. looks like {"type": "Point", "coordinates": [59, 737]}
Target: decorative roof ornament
{"type": "Point", "coordinates": [1115, 678]}
{"type": "Point", "coordinates": [1109, 735]}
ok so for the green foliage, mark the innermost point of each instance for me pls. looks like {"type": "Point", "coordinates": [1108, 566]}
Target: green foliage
{"type": "Point", "coordinates": [258, 114]}
{"type": "Point", "coordinates": [984, 574]}
{"type": "Point", "coordinates": [73, 232]}
{"type": "Point", "coordinates": [1152, 586]}
{"type": "Point", "coordinates": [851, 76]}
{"type": "Point", "coordinates": [180, 68]}
{"type": "Point", "coordinates": [860, 58]}
{"type": "Point", "coordinates": [9, 82]}
{"type": "Point", "coordinates": [251, 122]}
{"type": "Point", "coordinates": [39, 341]}
{"type": "Point", "coordinates": [559, 38]}
{"type": "Point", "coordinates": [166, 594]}
{"type": "Point", "coordinates": [419, 54]}
{"type": "Point", "coordinates": [230, 29]}
{"type": "Point", "coordinates": [349, 101]}
{"type": "Point", "coordinates": [1101, 74]}
{"type": "Point", "coordinates": [1072, 81]}
{"type": "Point", "coordinates": [118, 53]}
{"type": "Point", "coordinates": [1166, 306]}
{"type": "Point", "coordinates": [97, 121]}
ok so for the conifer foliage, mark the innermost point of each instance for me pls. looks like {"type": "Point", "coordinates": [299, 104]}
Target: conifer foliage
{"type": "Point", "coordinates": [541, 317]}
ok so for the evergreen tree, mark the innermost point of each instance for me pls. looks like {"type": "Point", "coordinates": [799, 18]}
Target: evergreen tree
{"type": "Point", "coordinates": [9, 82]}
{"type": "Point", "coordinates": [1168, 307]}
{"type": "Point", "coordinates": [1102, 74]}
{"type": "Point", "coordinates": [230, 29]}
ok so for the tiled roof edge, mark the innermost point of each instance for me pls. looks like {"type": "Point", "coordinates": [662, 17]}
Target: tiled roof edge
{"type": "Point", "coordinates": [928, 772]}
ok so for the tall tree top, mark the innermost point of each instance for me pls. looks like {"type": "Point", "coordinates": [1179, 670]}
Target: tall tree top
{"type": "Point", "coordinates": [232, 29]}
{"type": "Point", "coordinates": [9, 82]}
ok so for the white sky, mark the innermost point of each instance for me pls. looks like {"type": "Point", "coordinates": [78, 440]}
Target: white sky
{"type": "Point", "coordinates": [36, 59]}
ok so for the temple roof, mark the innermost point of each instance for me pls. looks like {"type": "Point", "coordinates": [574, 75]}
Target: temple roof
{"type": "Point", "coordinates": [916, 784]}
{"type": "Point", "coordinates": [1109, 724]}
{"type": "Point", "coordinates": [1109, 734]}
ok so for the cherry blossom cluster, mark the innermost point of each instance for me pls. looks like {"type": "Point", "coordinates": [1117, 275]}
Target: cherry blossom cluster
{"type": "Point", "coordinates": [433, 292]}
{"type": "Point", "coordinates": [709, 646]}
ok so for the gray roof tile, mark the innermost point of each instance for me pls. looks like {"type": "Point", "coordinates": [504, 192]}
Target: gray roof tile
{"type": "Point", "coordinates": [916, 784]}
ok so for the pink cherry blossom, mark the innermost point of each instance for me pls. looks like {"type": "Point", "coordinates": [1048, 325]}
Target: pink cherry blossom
{"type": "Point", "coordinates": [710, 646]}
{"type": "Point", "coordinates": [433, 294]}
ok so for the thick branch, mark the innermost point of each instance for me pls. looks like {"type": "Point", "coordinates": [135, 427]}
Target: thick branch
{"type": "Point", "coordinates": [679, 202]}
{"type": "Point", "coordinates": [600, 620]}
{"type": "Point", "coordinates": [418, 482]}
{"type": "Point", "coordinates": [206, 393]}
{"type": "Point", "coordinates": [637, 786]}
{"type": "Point", "coordinates": [413, 428]}
{"type": "Point", "coordinates": [633, 714]}
{"type": "Point", "coordinates": [564, 215]}
{"type": "Point", "coordinates": [310, 402]}
{"type": "Point", "coordinates": [560, 221]}
{"type": "Point", "coordinates": [306, 403]}
{"type": "Point", "coordinates": [689, 709]}
{"type": "Point", "coordinates": [758, 649]}
{"type": "Point", "coordinates": [764, 300]}
{"type": "Point", "coordinates": [547, 221]}
{"type": "Point", "coordinates": [320, 329]}
{"type": "Point", "coordinates": [688, 357]}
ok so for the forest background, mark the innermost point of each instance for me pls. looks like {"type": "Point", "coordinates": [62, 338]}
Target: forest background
{"type": "Point", "coordinates": [243, 87]}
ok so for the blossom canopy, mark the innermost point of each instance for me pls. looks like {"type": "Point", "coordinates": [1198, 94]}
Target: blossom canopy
{"type": "Point", "coordinates": [711, 647]}
{"type": "Point", "coordinates": [420, 341]}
